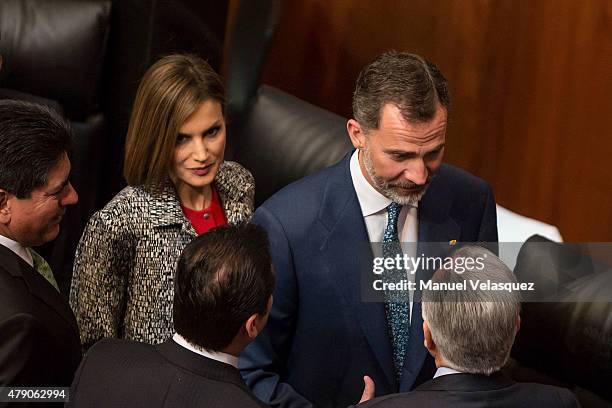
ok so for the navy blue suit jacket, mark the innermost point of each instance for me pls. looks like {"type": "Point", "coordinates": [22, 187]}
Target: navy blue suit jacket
{"type": "Point", "coordinates": [321, 338]}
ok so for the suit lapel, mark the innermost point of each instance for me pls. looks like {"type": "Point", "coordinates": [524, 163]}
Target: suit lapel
{"type": "Point", "coordinates": [347, 242]}
{"type": "Point", "coordinates": [436, 229]}
{"type": "Point", "coordinates": [346, 249]}
{"type": "Point", "coordinates": [435, 222]}
{"type": "Point", "coordinates": [37, 285]}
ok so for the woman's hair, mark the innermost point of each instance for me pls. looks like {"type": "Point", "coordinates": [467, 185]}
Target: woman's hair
{"type": "Point", "coordinates": [170, 91]}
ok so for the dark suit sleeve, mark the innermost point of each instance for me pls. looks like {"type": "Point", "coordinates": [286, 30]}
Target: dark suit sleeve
{"type": "Point", "coordinates": [23, 351]}
{"type": "Point", "coordinates": [263, 363]}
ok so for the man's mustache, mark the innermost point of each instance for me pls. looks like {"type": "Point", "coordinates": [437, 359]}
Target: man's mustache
{"type": "Point", "coordinates": [411, 186]}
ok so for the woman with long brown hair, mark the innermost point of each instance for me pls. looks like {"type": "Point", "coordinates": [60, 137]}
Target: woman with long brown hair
{"type": "Point", "coordinates": [179, 186]}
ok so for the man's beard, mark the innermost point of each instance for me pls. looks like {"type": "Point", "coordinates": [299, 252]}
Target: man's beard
{"type": "Point", "coordinates": [388, 189]}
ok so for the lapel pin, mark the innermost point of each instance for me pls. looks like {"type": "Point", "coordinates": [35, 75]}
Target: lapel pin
{"type": "Point", "coordinates": [452, 242]}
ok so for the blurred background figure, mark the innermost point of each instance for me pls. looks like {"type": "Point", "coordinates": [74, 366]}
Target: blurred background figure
{"type": "Point", "coordinates": [223, 295]}
{"type": "Point", "coordinates": [39, 342]}
{"type": "Point", "coordinates": [469, 333]}
{"type": "Point", "coordinates": [179, 187]}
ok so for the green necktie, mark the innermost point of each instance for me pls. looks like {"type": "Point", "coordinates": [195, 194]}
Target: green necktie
{"type": "Point", "coordinates": [43, 268]}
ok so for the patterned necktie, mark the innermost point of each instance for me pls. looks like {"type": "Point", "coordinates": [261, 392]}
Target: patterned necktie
{"type": "Point", "coordinates": [43, 268]}
{"type": "Point", "coordinates": [396, 305]}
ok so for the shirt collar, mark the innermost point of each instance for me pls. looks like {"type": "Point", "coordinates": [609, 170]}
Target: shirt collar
{"type": "Point", "coordinates": [370, 200]}
{"type": "Point", "coordinates": [445, 371]}
{"type": "Point", "coordinates": [18, 249]}
{"type": "Point", "coordinates": [214, 355]}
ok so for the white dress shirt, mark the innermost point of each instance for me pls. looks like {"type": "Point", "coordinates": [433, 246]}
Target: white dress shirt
{"type": "Point", "coordinates": [445, 371]}
{"type": "Point", "coordinates": [18, 249]}
{"type": "Point", "coordinates": [214, 355]}
{"type": "Point", "coordinates": [374, 209]}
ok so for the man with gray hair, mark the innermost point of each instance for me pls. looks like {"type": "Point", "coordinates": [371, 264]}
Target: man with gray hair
{"type": "Point", "coordinates": [469, 330]}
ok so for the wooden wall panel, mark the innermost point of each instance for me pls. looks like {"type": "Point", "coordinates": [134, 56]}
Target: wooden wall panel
{"type": "Point", "coordinates": [530, 82]}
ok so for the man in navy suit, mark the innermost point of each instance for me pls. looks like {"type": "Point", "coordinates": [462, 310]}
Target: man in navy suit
{"type": "Point", "coordinates": [322, 337]}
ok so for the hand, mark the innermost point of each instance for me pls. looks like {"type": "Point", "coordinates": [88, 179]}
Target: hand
{"type": "Point", "coordinates": [368, 389]}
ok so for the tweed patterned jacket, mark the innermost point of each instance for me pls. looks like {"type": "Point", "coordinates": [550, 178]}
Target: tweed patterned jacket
{"type": "Point", "coordinates": [123, 279]}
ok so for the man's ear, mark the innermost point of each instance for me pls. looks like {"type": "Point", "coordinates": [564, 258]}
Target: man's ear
{"type": "Point", "coordinates": [256, 323]}
{"type": "Point", "coordinates": [428, 340]}
{"type": "Point", "coordinates": [5, 208]}
{"type": "Point", "coordinates": [251, 326]}
{"type": "Point", "coordinates": [355, 133]}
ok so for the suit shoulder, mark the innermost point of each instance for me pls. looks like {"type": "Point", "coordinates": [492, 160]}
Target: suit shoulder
{"type": "Point", "coordinates": [129, 198]}
{"type": "Point", "coordinates": [131, 202]}
{"type": "Point", "coordinates": [110, 351]}
{"type": "Point", "coordinates": [112, 344]}
{"type": "Point", "coordinates": [235, 182]}
{"type": "Point", "coordinates": [550, 394]}
{"type": "Point", "coordinates": [23, 321]}
{"type": "Point", "coordinates": [305, 190]}
{"type": "Point", "coordinates": [236, 172]}
{"type": "Point", "coordinates": [457, 178]}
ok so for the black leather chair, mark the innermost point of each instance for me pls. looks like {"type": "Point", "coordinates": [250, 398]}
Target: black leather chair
{"type": "Point", "coordinates": [284, 138]}
{"type": "Point", "coordinates": [53, 54]}
{"type": "Point", "coordinates": [566, 329]}
{"type": "Point", "coordinates": [249, 42]}
{"type": "Point", "coordinates": [141, 32]}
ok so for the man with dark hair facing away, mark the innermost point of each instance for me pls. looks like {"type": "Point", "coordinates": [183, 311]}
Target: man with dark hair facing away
{"type": "Point", "coordinates": [223, 294]}
{"type": "Point", "coordinates": [469, 332]}
{"type": "Point", "coordinates": [39, 338]}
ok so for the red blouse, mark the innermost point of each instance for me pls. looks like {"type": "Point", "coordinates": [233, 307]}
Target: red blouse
{"type": "Point", "coordinates": [208, 218]}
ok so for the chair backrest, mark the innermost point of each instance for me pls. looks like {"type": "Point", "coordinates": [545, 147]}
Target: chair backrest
{"type": "Point", "coordinates": [249, 42]}
{"type": "Point", "coordinates": [566, 339]}
{"type": "Point", "coordinates": [142, 31]}
{"type": "Point", "coordinates": [284, 138]}
{"type": "Point", "coordinates": [55, 49]}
